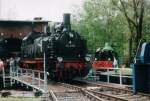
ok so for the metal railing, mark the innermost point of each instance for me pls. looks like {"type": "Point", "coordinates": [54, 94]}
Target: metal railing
{"type": "Point", "coordinates": [108, 73]}
{"type": "Point", "coordinates": [6, 77]}
{"type": "Point", "coordinates": [33, 78]}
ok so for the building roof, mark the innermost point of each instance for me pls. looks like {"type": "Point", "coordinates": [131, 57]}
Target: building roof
{"type": "Point", "coordinates": [24, 21]}
{"type": "Point", "coordinates": [20, 28]}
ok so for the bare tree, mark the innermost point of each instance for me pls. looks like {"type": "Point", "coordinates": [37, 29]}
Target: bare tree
{"type": "Point", "coordinates": [133, 11]}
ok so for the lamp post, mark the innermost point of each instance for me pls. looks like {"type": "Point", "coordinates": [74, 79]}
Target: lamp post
{"type": "Point", "coordinates": [45, 74]}
{"type": "Point", "coordinates": [44, 44]}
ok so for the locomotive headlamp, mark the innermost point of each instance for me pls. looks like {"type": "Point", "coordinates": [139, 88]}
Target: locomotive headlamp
{"type": "Point", "coordinates": [47, 73]}
{"type": "Point", "coordinates": [87, 58]}
{"type": "Point", "coordinates": [64, 30]}
{"type": "Point", "coordinates": [71, 35]}
{"type": "Point", "coordinates": [60, 59]}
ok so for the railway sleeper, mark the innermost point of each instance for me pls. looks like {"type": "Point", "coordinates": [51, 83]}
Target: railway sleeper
{"type": "Point", "coordinates": [111, 87]}
{"type": "Point", "coordinates": [107, 96]}
{"type": "Point", "coordinates": [83, 91]}
{"type": "Point", "coordinates": [91, 96]}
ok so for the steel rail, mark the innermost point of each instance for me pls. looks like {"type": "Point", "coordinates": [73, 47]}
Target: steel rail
{"type": "Point", "coordinates": [53, 96]}
{"type": "Point", "coordinates": [107, 96]}
{"type": "Point", "coordinates": [117, 89]}
{"type": "Point", "coordinates": [83, 91]}
{"type": "Point", "coordinates": [97, 96]}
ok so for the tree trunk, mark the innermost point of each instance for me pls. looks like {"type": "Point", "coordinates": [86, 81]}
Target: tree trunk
{"type": "Point", "coordinates": [130, 50]}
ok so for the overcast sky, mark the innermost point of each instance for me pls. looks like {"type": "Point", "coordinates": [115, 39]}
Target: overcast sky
{"type": "Point", "coordinates": [28, 9]}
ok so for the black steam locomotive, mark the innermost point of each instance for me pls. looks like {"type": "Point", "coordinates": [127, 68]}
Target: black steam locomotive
{"type": "Point", "coordinates": [66, 51]}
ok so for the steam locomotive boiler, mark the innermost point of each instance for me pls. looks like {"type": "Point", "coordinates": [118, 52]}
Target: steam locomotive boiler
{"type": "Point", "coordinates": [66, 51]}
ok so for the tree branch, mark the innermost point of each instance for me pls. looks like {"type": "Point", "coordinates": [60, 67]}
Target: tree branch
{"type": "Point", "coordinates": [126, 15]}
{"type": "Point", "coordinates": [141, 16]}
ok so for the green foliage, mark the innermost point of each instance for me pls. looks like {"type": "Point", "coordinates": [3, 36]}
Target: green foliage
{"type": "Point", "coordinates": [99, 24]}
{"type": "Point", "coordinates": [146, 25]}
{"type": "Point", "coordinates": [101, 21]}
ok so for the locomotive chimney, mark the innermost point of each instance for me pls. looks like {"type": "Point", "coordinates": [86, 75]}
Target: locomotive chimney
{"type": "Point", "coordinates": [66, 21]}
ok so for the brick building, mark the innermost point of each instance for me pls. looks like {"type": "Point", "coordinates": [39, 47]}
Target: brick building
{"type": "Point", "coordinates": [18, 29]}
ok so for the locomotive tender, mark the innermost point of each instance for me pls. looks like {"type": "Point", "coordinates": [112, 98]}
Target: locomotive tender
{"type": "Point", "coordinates": [65, 49]}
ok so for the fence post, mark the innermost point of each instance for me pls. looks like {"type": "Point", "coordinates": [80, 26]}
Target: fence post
{"type": "Point", "coordinates": [21, 72]}
{"type": "Point", "coordinates": [11, 75]}
{"type": "Point", "coordinates": [26, 72]}
{"type": "Point", "coordinates": [107, 75]}
{"type": "Point", "coordinates": [120, 76]}
{"type": "Point", "coordinates": [17, 72]}
{"type": "Point", "coordinates": [33, 79]}
{"type": "Point", "coordinates": [3, 77]}
{"type": "Point", "coordinates": [39, 78]}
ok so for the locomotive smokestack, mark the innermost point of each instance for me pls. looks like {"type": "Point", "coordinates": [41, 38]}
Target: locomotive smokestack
{"type": "Point", "coordinates": [66, 21]}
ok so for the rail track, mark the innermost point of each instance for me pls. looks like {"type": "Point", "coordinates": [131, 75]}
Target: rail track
{"type": "Point", "coordinates": [113, 93]}
{"type": "Point", "coordinates": [67, 92]}
{"type": "Point", "coordinates": [89, 91]}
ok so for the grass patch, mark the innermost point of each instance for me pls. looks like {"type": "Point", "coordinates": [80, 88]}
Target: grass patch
{"type": "Point", "coordinates": [19, 99]}
{"type": "Point", "coordinates": [126, 71]}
